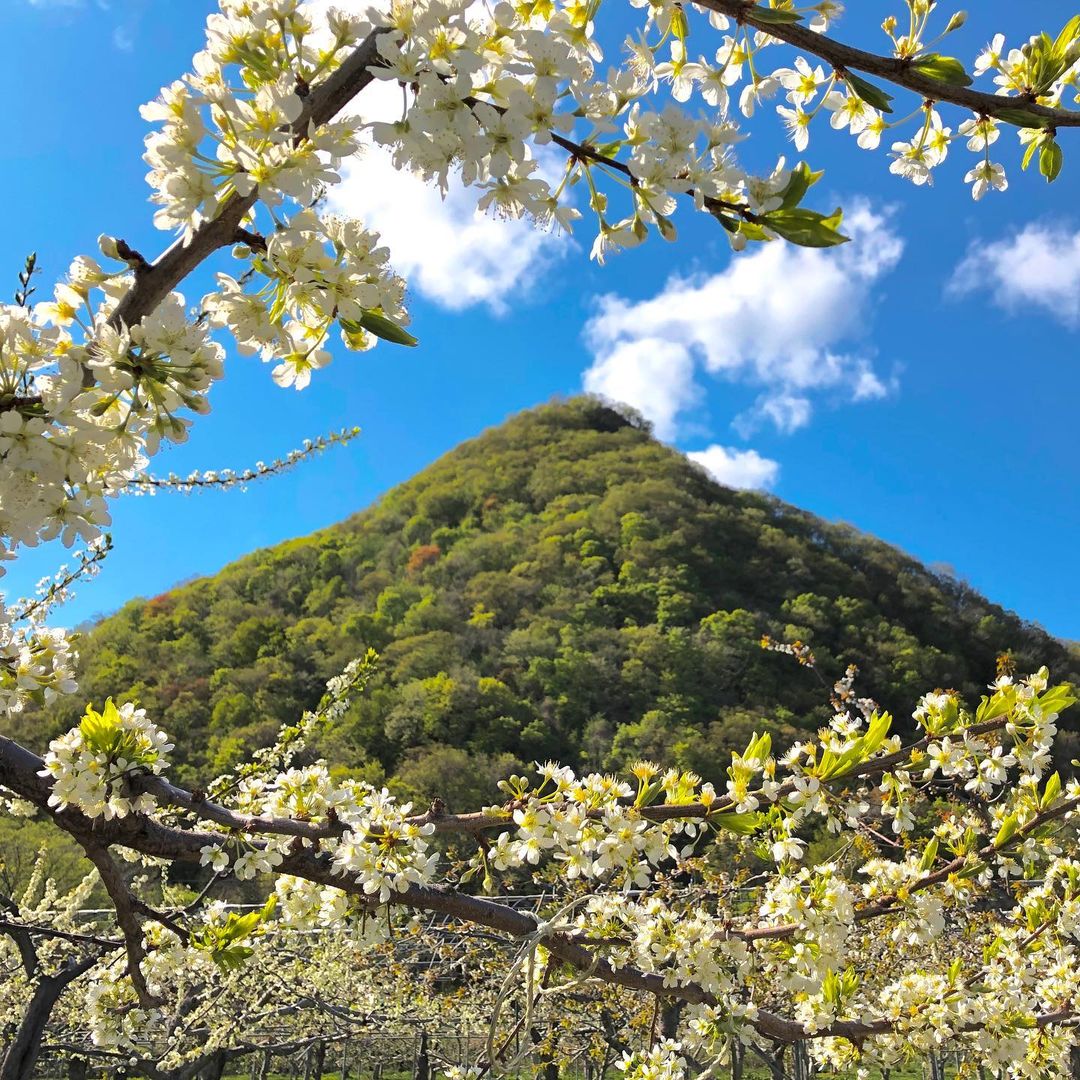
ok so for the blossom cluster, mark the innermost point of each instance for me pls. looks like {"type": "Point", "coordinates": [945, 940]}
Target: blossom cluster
{"type": "Point", "coordinates": [878, 935]}
{"type": "Point", "coordinates": [36, 661]}
{"type": "Point", "coordinates": [662, 1061]}
{"type": "Point", "coordinates": [373, 842]}
{"type": "Point", "coordinates": [90, 766]}
{"type": "Point", "coordinates": [89, 389]}
{"type": "Point", "coordinates": [317, 272]}
{"type": "Point", "coordinates": [592, 827]}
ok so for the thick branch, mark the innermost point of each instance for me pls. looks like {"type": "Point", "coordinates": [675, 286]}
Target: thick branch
{"type": "Point", "coordinates": [20, 934]}
{"type": "Point", "coordinates": [145, 835]}
{"type": "Point", "coordinates": [895, 70]}
{"type": "Point", "coordinates": [22, 1054]}
{"type": "Point", "coordinates": [126, 916]}
{"type": "Point", "coordinates": [30, 929]}
{"type": "Point", "coordinates": [160, 277]}
{"type": "Point", "coordinates": [169, 794]}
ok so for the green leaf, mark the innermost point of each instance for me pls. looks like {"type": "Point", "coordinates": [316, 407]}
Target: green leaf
{"type": "Point", "coordinates": [382, 327]}
{"type": "Point", "coordinates": [1002, 703]}
{"type": "Point", "coordinates": [1020, 118]}
{"type": "Point", "coordinates": [1007, 831]}
{"type": "Point", "coordinates": [802, 178]}
{"type": "Point", "coordinates": [740, 824]}
{"type": "Point", "coordinates": [609, 149]}
{"type": "Point", "coordinates": [376, 323]}
{"type": "Point", "coordinates": [1029, 153]}
{"type": "Point", "coordinates": [231, 958]}
{"type": "Point", "coordinates": [772, 16]}
{"type": "Point", "coordinates": [943, 69]}
{"type": "Point", "coordinates": [750, 230]}
{"type": "Point", "coordinates": [807, 228]}
{"type": "Point", "coordinates": [680, 28]}
{"type": "Point", "coordinates": [1058, 698]}
{"type": "Point", "coordinates": [876, 731]}
{"type": "Point", "coordinates": [100, 730]}
{"type": "Point", "coordinates": [221, 940]}
{"type": "Point", "coordinates": [1050, 792]}
{"type": "Point", "coordinates": [759, 746]}
{"type": "Point", "coordinates": [1069, 31]}
{"type": "Point", "coordinates": [929, 855]}
{"type": "Point", "coordinates": [1050, 161]}
{"type": "Point", "coordinates": [871, 94]}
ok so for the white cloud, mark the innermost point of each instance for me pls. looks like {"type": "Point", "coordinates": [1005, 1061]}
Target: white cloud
{"type": "Point", "coordinates": [778, 318]}
{"type": "Point", "coordinates": [445, 249]}
{"type": "Point", "coordinates": [655, 376]}
{"type": "Point", "coordinates": [788, 412]}
{"type": "Point", "coordinates": [1038, 266]}
{"type": "Point", "coordinates": [737, 468]}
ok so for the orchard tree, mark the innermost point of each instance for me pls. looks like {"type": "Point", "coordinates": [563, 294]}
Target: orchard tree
{"type": "Point", "coordinates": [857, 957]}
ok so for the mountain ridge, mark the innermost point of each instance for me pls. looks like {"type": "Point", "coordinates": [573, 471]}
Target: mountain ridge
{"type": "Point", "coordinates": [561, 585]}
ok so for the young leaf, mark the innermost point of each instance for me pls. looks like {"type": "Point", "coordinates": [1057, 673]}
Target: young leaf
{"type": "Point", "coordinates": [1007, 831]}
{"type": "Point", "coordinates": [802, 177]}
{"type": "Point", "coordinates": [1020, 118]}
{"type": "Point", "coordinates": [1050, 792]}
{"type": "Point", "coordinates": [386, 329]}
{"type": "Point", "coordinates": [871, 94]}
{"type": "Point", "coordinates": [930, 854]}
{"type": "Point", "coordinates": [1050, 161]}
{"type": "Point", "coordinates": [775, 16]}
{"type": "Point", "coordinates": [680, 28]}
{"type": "Point", "coordinates": [1069, 31]}
{"type": "Point", "coordinates": [750, 230]}
{"type": "Point", "coordinates": [943, 69]}
{"type": "Point", "coordinates": [740, 824]}
{"type": "Point", "coordinates": [807, 228]}
{"type": "Point", "coordinates": [382, 327]}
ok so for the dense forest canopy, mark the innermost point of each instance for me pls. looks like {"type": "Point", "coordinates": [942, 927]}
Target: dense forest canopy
{"type": "Point", "coordinates": [562, 586]}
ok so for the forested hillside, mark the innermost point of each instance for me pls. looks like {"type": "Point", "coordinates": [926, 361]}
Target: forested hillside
{"type": "Point", "coordinates": [562, 586]}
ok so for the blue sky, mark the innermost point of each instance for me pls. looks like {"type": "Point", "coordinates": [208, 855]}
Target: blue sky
{"type": "Point", "coordinates": [921, 384]}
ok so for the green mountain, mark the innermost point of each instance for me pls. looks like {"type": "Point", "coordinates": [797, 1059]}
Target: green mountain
{"type": "Point", "coordinates": [562, 586]}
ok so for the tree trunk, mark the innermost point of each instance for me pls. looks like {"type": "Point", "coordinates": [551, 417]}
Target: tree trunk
{"type": "Point", "coordinates": [265, 1060]}
{"type": "Point", "coordinates": [77, 1068]}
{"type": "Point", "coordinates": [23, 1052]}
{"type": "Point", "coordinates": [670, 1013]}
{"type": "Point", "coordinates": [802, 1068]}
{"type": "Point", "coordinates": [545, 1056]}
{"type": "Point", "coordinates": [736, 1059]}
{"type": "Point", "coordinates": [422, 1070]}
{"type": "Point", "coordinates": [214, 1067]}
{"type": "Point", "coordinates": [1074, 1063]}
{"type": "Point", "coordinates": [775, 1061]}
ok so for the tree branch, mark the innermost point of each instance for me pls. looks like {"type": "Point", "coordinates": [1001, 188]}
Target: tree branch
{"type": "Point", "coordinates": [898, 71]}
{"type": "Point", "coordinates": [126, 914]}
{"type": "Point", "coordinates": [143, 834]}
{"type": "Point", "coordinates": [157, 279]}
